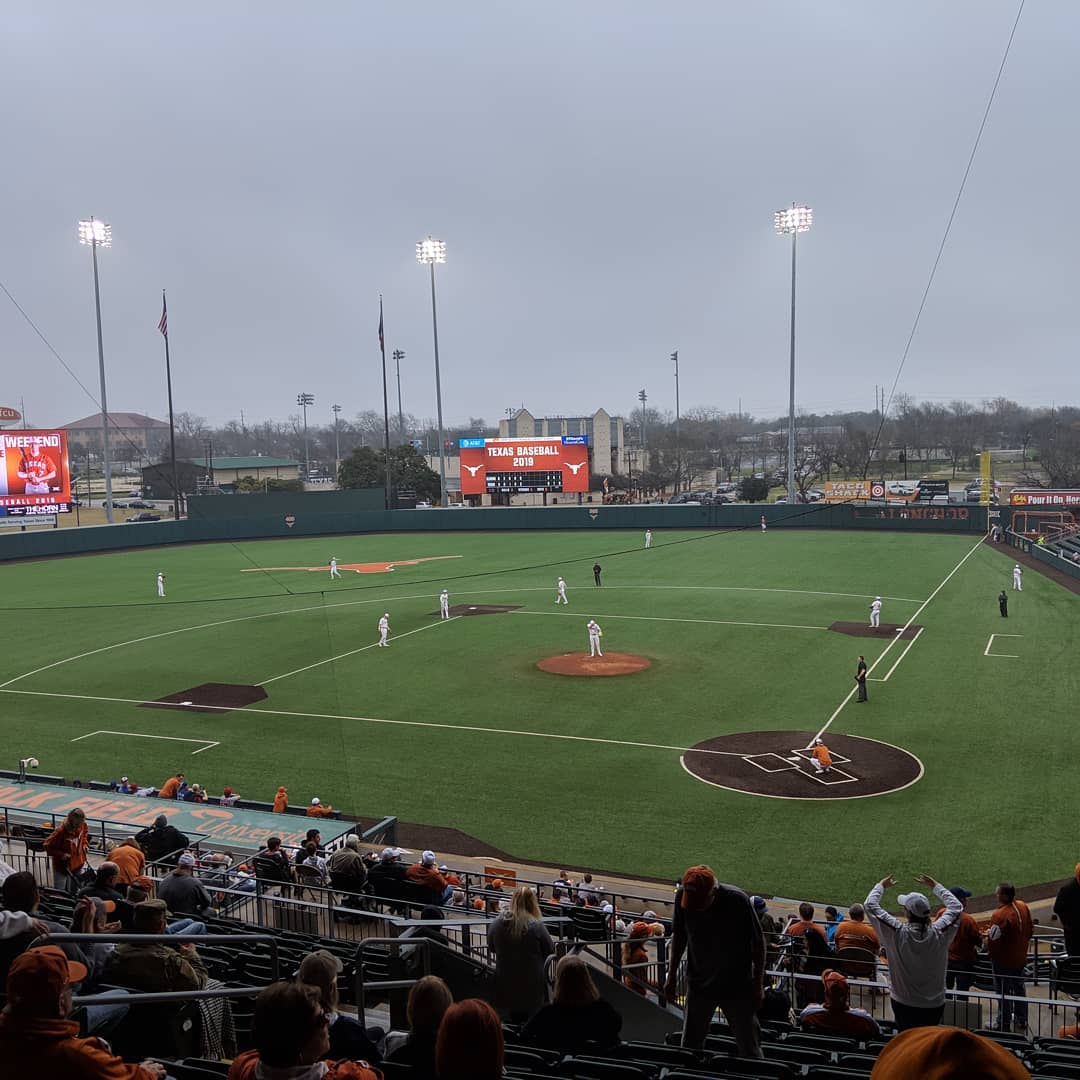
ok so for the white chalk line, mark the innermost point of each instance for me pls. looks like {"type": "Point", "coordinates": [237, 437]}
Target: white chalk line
{"type": "Point", "coordinates": [885, 652]}
{"type": "Point", "coordinates": [208, 744]}
{"type": "Point", "coordinates": [661, 618]}
{"type": "Point", "coordinates": [380, 720]}
{"type": "Point", "coordinates": [1003, 655]}
{"type": "Point", "coordinates": [902, 655]}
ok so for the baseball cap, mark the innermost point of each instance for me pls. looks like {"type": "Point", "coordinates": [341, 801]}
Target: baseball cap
{"type": "Point", "coordinates": [608, 909]}
{"type": "Point", "coordinates": [649, 916]}
{"type": "Point", "coordinates": [640, 929]}
{"type": "Point", "coordinates": [428, 858]}
{"type": "Point", "coordinates": [697, 886]}
{"type": "Point", "coordinates": [148, 913]}
{"type": "Point", "coordinates": [915, 904]}
{"type": "Point", "coordinates": [37, 978]}
{"type": "Point", "coordinates": [959, 893]}
{"type": "Point", "coordinates": [941, 1053]}
{"type": "Point", "coordinates": [836, 989]}
{"type": "Point", "coordinates": [227, 791]}
{"type": "Point", "coordinates": [187, 859]}
{"type": "Point", "coordinates": [392, 852]}
{"type": "Point", "coordinates": [123, 779]}
{"type": "Point", "coordinates": [758, 903]}
{"type": "Point", "coordinates": [319, 968]}
{"type": "Point", "coordinates": [315, 802]}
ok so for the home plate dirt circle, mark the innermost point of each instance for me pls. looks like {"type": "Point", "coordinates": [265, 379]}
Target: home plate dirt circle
{"type": "Point", "coordinates": [611, 663]}
{"type": "Point", "coordinates": [777, 765]}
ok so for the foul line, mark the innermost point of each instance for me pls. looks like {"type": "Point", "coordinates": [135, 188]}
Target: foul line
{"type": "Point", "coordinates": [1003, 655]}
{"type": "Point", "coordinates": [379, 720]}
{"type": "Point", "coordinates": [885, 677]}
{"type": "Point", "coordinates": [661, 618]}
{"type": "Point", "coordinates": [899, 634]}
{"type": "Point", "coordinates": [353, 652]}
{"type": "Point", "coordinates": [209, 745]}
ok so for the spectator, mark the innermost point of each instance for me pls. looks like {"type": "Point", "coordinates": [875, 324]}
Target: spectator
{"type": "Point", "coordinates": [388, 872]}
{"type": "Point", "coordinates": [182, 891]}
{"type": "Point", "coordinates": [228, 797]}
{"type": "Point", "coordinates": [935, 1053]}
{"type": "Point", "coordinates": [964, 949]}
{"type": "Point", "coordinates": [798, 928]}
{"type": "Point", "coordinates": [196, 793]}
{"type": "Point", "coordinates": [559, 895]}
{"type": "Point", "coordinates": [578, 1018]}
{"type": "Point", "coordinates": [37, 1038]}
{"type": "Point", "coordinates": [1067, 909]}
{"type": "Point", "coordinates": [312, 836]}
{"type": "Point", "coordinates": [106, 878]}
{"type": "Point", "coordinates": [715, 926]}
{"type": "Point", "coordinates": [91, 916]}
{"type": "Point", "coordinates": [24, 926]}
{"type": "Point", "coordinates": [348, 1037]}
{"type": "Point", "coordinates": [281, 800]}
{"type": "Point", "coordinates": [521, 944]}
{"type": "Point", "coordinates": [129, 860]}
{"type": "Point", "coordinates": [162, 842]}
{"type": "Point", "coordinates": [425, 874]}
{"type": "Point", "coordinates": [563, 882]}
{"type": "Point", "coordinates": [855, 932]}
{"type": "Point", "coordinates": [346, 866]}
{"type": "Point", "coordinates": [314, 861]}
{"type": "Point", "coordinates": [429, 998]}
{"type": "Point", "coordinates": [835, 1015]}
{"type": "Point", "coordinates": [171, 788]}
{"type": "Point", "coordinates": [832, 921]}
{"type": "Point", "coordinates": [6, 869]}
{"type": "Point", "coordinates": [586, 888]}
{"type": "Point", "coordinates": [770, 931]}
{"type": "Point", "coordinates": [279, 862]}
{"type": "Point", "coordinates": [470, 1042]}
{"type": "Point", "coordinates": [918, 951]}
{"type": "Point", "coordinates": [1011, 930]}
{"type": "Point", "coordinates": [152, 966]}
{"type": "Point", "coordinates": [316, 809]}
{"type": "Point", "coordinates": [291, 1030]}
{"type": "Point", "coordinates": [635, 953]}
{"type": "Point", "coordinates": [66, 848]}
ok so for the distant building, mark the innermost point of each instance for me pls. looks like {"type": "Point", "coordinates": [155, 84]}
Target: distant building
{"type": "Point", "coordinates": [605, 432]}
{"type": "Point", "coordinates": [227, 470]}
{"type": "Point", "coordinates": [131, 435]}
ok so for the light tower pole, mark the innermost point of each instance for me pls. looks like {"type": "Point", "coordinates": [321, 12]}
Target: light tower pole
{"type": "Point", "coordinates": [678, 452]}
{"type": "Point", "coordinates": [642, 397]}
{"type": "Point", "coordinates": [797, 219]}
{"type": "Point", "coordinates": [304, 400]}
{"type": "Point", "coordinates": [399, 355]}
{"type": "Point", "coordinates": [430, 252]}
{"type": "Point", "coordinates": [97, 234]}
{"type": "Point", "coordinates": [335, 409]}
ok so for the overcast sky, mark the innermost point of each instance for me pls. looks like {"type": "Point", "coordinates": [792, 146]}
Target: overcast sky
{"type": "Point", "coordinates": [604, 175]}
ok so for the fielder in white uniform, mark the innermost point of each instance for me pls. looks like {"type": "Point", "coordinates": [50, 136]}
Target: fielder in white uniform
{"type": "Point", "coordinates": [595, 633]}
{"type": "Point", "coordinates": [384, 629]}
{"type": "Point", "coordinates": [648, 538]}
{"type": "Point", "coordinates": [334, 572]}
{"type": "Point", "coordinates": [1018, 584]}
{"type": "Point", "coordinates": [875, 612]}
{"type": "Point", "coordinates": [560, 585]}
{"type": "Point", "coordinates": [763, 525]}
{"type": "Point", "coordinates": [444, 605]}
{"type": "Point", "coordinates": [161, 583]}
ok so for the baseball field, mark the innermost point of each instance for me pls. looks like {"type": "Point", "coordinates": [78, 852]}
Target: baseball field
{"type": "Point", "coordinates": [960, 764]}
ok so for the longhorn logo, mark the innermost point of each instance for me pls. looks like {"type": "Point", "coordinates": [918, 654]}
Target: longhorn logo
{"type": "Point", "coordinates": [574, 468]}
{"type": "Point", "coordinates": [473, 469]}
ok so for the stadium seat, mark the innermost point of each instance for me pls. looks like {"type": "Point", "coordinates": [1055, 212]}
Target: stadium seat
{"type": "Point", "coordinates": [1057, 1070]}
{"type": "Point", "coordinates": [770, 1070]}
{"type": "Point", "coordinates": [585, 1068]}
{"type": "Point", "coordinates": [835, 1072]}
{"type": "Point", "coordinates": [673, 1056]}
{"type": "Point", "coordinates": [395, 1070]}
{"type": "Point", "coordinates": [526, 1059]}
{"type": "Point", "coordinates": [1006, 1038]}
{"type": "Point", "coordinates": [219, 1067]}
{"type": "Point", "coordinates": [794, 1054]}
{"type": "Point", "coordinates": [835, 1044]}
{"type": "Point", "coordinates": [856, 963]}
{"type": "Point", "coordinates": [1065, 977]}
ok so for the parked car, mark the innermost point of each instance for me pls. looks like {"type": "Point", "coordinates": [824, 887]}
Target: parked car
{"type": "Point", "coordinates": [815, 495]}
{"type": "Point", "coordinates": [138, 504]}
{"type": "Point", "coordinates": [144, 517]}
{"type": "Point", "coordinates": [116, 505]}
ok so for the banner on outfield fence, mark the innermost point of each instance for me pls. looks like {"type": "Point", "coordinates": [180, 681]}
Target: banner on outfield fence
{"type": "Point", "coordinates": [846, 490]}
{"type": "Point", "coordinates": [1063, 498]}
{"type": "Point", "coordinates": [34, 471]}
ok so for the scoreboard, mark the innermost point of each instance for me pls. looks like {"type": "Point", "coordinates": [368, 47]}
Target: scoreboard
{"type": "Point", "coordinates": [34, 473]}
{"type": "Point", "coordinates": [511, 466]}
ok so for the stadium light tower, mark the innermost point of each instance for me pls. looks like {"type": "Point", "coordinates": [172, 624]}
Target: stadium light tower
{"type": "Point", "coordinates": [336, 409]}
{"type": "Point", "coordinates": [430, 252]}
{"type": "Point", "coordinates": [399, 355]}
{"type": "Point", "coordinates": [795, 220]}
{"type": "Point", "coordinates": [304, 400]}
{"type": "Point", "coordinates": [97, 234]}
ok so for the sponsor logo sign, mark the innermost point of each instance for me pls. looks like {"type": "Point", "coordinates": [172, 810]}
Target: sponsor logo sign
{"type": "Point", "coordinates": [1040, 499]}
{"type": "Point", "coordinates": [8, 415]}
{"type": "Point", "coordinates": [877, 490]}
{"type": "Point", "coordinates": [846, 490]}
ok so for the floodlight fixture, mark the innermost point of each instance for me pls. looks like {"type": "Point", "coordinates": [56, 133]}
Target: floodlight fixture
{"type": "Point", "coordinates": [430, 251]}
{"type": "Point", "coordinates": [795, 219]}
{"type": "Point", "coordinates": [95, 232]}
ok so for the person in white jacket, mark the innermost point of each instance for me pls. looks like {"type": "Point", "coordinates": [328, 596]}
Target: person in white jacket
{"type": "Point", "coordinates": [13, 923]}
{"type": "Point", "coordinates": [917, 950]}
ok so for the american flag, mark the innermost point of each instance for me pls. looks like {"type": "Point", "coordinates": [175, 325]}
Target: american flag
{"type": "Point", "coordinates": [163, 324]}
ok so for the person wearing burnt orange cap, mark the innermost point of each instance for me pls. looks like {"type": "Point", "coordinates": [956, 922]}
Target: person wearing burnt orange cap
{"type": "Point", "coordinates": [1067, 909]}
{"type": "Point", "coordinates": [835, 1016]}
{"type": "Point", "coordinates": [945, 1053]}
{"type": "Point", "coordinates": [37, 1038]}
{"type": "Point", "coordinates": [281, 800]}
{"type": "Point", "coordinates": [715, 926]}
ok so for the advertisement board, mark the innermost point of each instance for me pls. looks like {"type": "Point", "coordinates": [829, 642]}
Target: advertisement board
{"type": "Point", "coordinates": [1042, 499]}
{"type": "Point", "coordinates": [524, 465]}
{"type": "Point", "coordinates": [846, 490]}
{"type": "Point", "coordinates": [34, 473]}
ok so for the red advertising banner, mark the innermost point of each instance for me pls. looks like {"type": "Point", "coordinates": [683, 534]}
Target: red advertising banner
{"type": "Point", "coordinates": [34, 468]}
{"type": "Point", "coordinates": [1042, 499]}
{"type": "Point", "coordinates": [518, 465]}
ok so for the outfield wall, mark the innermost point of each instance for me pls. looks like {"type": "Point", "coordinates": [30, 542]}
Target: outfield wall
{"type": "Point", "coordinates": [333, 513]}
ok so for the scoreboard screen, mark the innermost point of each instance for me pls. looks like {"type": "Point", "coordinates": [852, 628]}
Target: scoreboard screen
{"type": "Point", "coordinates": [34, 473]}
{"type": "Point", "coordinates": [524, 465]}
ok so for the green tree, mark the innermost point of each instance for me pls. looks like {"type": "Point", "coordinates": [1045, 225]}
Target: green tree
{"type": "Point", "coordinates": [366, 468]}
{"type": "Point", "coordinates": [753, 489]}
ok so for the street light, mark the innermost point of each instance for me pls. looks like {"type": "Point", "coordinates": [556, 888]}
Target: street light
{"type": "Point", "coordinates": [795, 220]}
{"type": "Point", "coordinates": [399, 355]}
{"type": "Point", "coordinates": [304, 400]}
{"type": "Point", "coordinates": [97, 234]}
{"type": "Point", "coordinates": [335, 409]}
{"type": "Point", "coordinates": [430, 252]}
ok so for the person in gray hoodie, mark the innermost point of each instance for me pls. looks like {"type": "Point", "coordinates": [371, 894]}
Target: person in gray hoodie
{"type": "Point", "coordinates": [917, 950]}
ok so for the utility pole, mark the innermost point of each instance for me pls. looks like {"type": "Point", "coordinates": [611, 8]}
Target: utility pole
{"type": "Point", "coordinates": [304, 400]}
{"type": "Point", "coordinates": [399, 355]}
{"type": "Point", "coordinates": [642, 397]}
{"type": "Point", "coordinates": [678, 451]}
{"type": "Point", "coordinates": [335, 409]}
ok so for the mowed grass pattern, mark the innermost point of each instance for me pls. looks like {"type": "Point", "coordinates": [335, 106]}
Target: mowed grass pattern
{"type": "Point", "coordinates": [455, 725]}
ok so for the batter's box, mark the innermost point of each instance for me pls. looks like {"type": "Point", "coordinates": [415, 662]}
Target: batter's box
{"type": "Point", "coordinates": [771, 763]}
{"type": "Point", "coordinates": [837, 759]}
{"type": "Point", "coordinates": [831, 778]}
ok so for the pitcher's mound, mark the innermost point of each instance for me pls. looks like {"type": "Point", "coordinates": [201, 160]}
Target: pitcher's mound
{"type": "Point", "coordinates": [611, 663]}
{"type": "Point", "coordinates": [480, 609]}
{"type": "Point", "coordinates": [209, 698]}
{"type": "Point", "coordinates": [885, 630]}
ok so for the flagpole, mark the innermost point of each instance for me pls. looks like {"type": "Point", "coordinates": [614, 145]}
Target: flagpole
{"type": "Point", "coordinates": [385, 404]}
{"type": "Point", "coordinates": [163, 326]}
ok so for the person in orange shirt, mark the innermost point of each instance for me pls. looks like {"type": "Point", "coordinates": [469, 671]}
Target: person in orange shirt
{"type": "Point", "coordinates": [66, 848]}
{"type": "Point", "coordinates": [835, 1016]}
{"type": "Point", "coordinates": [130, 859]}
{"type": "Point", "coordinates": [316, 809]}
{"type": "Point", "coordinates": [821, 757]}
{"type": "Point", "coordinates": [855, 932]}
{"type": "Point", "coordinates": [171, 786]}
{"type": "Point", "coordinates": [281, 800]}
{"type": "Point", "coordinates": [964, 948]}
{"type": "Point", "coordinates": [798, 927]}
{"type": "Point", "coordinates": [1007, 940]}
{"type": "Point", "coordinates": [634, 952]}
{"type": "Point", "coordinates": [425, 874]}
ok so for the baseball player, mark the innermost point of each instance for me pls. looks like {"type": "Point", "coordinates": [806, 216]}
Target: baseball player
{"type": "Point", "coordinates": [763, 525]}
{"type": "Point", "coordinates": [821, 758]}
{"type": "Point", "coordinates": [595, 634]}
{"type": "Point", "coordinates": [1018, 584]}
{"type": "Point", "coordinates": [648, 538]}
{"type": "Point", "coordinates": [444, 605]}
{"type": "Point", "coordinates": [37, 470]}
{"type": "Point", "coordinates": [384, 629]}
{"type": "Point", "coordinates": [560, 585]}
{"type": "Point", "coordinates": [161, 583]}
{"type": "Point", "coordinates": [334, 572]}
{"type": "Point", "coordinates": [875, 612]}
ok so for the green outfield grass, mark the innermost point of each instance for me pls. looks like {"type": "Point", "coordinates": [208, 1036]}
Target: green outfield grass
{"type": "Point", "coordinates": [454, 724]}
